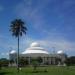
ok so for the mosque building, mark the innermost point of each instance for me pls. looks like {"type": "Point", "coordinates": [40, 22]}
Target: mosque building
{"type": "Point", "coordinates": [35, 51]}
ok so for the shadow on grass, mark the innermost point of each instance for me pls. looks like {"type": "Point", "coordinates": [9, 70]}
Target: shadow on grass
{"type": "Point", "coordinates": [36, 71]}
{"type": "Point", "coordinates": [39, 71]}
{"type": "Point", "coordinates": [5, 73]}
{"type": "Point", "coordinates": [20, 73]}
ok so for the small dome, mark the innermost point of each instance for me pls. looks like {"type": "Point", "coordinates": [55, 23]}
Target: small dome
{"type": "Point", "coordinates": [60, 52]}
{"type": "Point", "coordinates": [12, 52]}
{"type": "Point", "coordinates": [35, 44]}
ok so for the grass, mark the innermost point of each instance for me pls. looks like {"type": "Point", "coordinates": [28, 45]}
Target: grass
{"type": "Point", "coordinates": [50, 70]}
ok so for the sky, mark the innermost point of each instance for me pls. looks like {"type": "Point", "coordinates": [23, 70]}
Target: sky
{"type": "Point", "coordinates": [49, 22]}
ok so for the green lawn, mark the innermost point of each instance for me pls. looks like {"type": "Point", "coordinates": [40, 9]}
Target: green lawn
{"type": "Point", "coordinates": [51, 70]}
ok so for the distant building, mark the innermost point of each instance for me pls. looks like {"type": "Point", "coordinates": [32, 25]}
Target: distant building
{"type": "Point", "coordinates": [35, 51]}
{"type": "Point", "coordinates": [12, 58]}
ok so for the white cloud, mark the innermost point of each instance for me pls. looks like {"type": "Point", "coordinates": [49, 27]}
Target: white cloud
{"type": "Point", "coordinates": [58, 44]}
{"type": "Point", "coordinates": [1, 8]}
{"type": "Point", "coordinates": [51, 44]}
{"type": "Point", "coordinates": [47, 43]}
{"type": "Point", "coordinates": [32, 13]}
{"type": "Point", "coordinates": [7, 54]}
{"type": "Point", "coordinates": [53, 38]}
{"type": "Point", "coordinates": [2, 54]}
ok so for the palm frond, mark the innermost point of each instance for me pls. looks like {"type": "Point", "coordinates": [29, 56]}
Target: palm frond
{"type": "Point", "coordinates": [17, 27]}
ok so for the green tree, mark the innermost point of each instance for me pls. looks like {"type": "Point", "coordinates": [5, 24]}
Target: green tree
{"type": "Point", "coordinates": [70, 61]}
{"type": "Point", "coordinates": [23, 62]}
{"type": "Point", "coordinates": [36, 62]}
{"type": "Point", "coordinates": [18, 27]}
{"type": "Point", "coordinates": [39, 60]}
{"type": "Point", "coordinates": [4, 62]}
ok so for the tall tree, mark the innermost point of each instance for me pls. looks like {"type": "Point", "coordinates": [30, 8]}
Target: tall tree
{"type": "Point", "coordinates": [18, 27]}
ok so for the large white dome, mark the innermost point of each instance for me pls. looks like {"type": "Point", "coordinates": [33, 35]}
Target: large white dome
{"type": "Point", "coordinates": [35, 49]}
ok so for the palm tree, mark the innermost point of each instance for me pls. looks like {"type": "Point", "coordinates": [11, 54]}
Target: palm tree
{"type": "Point", "coordinates": [17, 28]}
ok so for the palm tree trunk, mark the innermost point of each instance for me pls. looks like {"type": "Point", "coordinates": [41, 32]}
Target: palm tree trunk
{"type": "Point", "coordinates": [18, 56]}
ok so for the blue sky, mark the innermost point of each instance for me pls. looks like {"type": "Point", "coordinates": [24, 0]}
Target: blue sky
{"type": "Point", "coordinates": [49, 22]}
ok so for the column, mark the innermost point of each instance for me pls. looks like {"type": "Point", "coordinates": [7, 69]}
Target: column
{"type": "Point", "coordinates": [29, 60]}
{"type": "Point", "coordinates": [49, 60]}
{"type": "Point", "coordinates": [43, 59]}
{"type": "Point", "coordinates": [54, 60]}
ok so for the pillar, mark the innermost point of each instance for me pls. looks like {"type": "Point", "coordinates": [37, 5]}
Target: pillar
{"type": "Point", "coordinates": [49, 60]}
{"type": "Point", "coordinates": [54, 60]}
{"type": "Point", "coordinates": [43, 59]}
{"type": "Point", "coordinates": [29, 60]}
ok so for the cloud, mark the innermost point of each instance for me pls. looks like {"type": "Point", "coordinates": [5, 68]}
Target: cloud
{"type": "Point", "coordinates": [4, 54]}
{"type": "Point", "coordinates": [65, 46]}
{"type": "Point", "coordinates": [59, 44]}
{"type": "Point", "coordinates": [31, 11]}
{"type": "Point", "coordinates": [51, 44]}
{"type": "Point", "coordinates": [36, 11]}
{"type": "Point", "coordinates": [1, 8]}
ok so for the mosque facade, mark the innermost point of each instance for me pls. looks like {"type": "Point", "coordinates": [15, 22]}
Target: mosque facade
{"type": "Point", "coordinates": [35, 51]}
